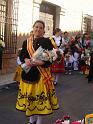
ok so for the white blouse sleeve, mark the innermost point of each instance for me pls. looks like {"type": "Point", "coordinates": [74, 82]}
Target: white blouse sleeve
{"type": "Point", "coordinates": [18, 61]}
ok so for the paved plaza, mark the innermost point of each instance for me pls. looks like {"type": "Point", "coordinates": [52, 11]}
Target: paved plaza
{"type": "Point", "coordinates": [74, 94]}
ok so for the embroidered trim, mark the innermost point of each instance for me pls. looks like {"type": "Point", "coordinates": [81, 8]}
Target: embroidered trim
{"type": "Point", "coordinates": [40, 99]}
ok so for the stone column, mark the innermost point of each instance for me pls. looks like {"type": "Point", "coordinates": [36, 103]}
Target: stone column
{"type": "Point", "coordinates": [58, 9]}
{"type": "Point", "coordinates": [36, 10]}
{"type": "Point", "coordinates": [59, 15]}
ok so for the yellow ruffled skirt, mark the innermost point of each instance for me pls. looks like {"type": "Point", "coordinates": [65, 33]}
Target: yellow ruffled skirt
{"type": "Point", "coordinates": [38, 98]}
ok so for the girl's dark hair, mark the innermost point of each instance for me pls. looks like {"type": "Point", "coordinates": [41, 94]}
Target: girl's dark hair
{"type": "Point", "coordinates": [39, 21]}
{"type": "Point", "coordinates": [65, 32]}
{"type": "Point", "coordinates": [56, 30]}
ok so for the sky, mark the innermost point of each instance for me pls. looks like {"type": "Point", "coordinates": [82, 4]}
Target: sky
{"type": "Point", "coordinates": [70, 21]}
{"type": "Point", "coordinates": [73, 13]}
{"type": "Point", "coordinates": [77, 5]}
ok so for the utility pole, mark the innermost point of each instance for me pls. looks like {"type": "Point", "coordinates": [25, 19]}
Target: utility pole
{"type": "Point", "coordinates": [82, 23]}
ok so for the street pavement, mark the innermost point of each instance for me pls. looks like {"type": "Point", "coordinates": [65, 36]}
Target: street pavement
{"type": "Point", "coordinates": [75, 96]}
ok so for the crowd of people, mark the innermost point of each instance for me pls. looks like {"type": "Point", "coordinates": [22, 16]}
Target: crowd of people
{"type": "Point", "coordinates": [37, 77]}
{"type": "Point", "coordinates": [76, 54]}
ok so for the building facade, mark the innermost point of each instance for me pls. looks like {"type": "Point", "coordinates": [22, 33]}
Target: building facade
{"type": "Point", "coordinates": [31, 10]}
{"type": "Point", "coordinates": [16, 21]}
{"type": "Point", "coordinates": [87, 25]}
{"type": "Point", "coordinates": [8, 32]}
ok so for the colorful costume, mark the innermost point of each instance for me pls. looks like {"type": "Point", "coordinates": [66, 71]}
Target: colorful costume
{"type": "Point", "coordinates": [36, 91]}
{"type": "Point", "coordinates": [57, 67]}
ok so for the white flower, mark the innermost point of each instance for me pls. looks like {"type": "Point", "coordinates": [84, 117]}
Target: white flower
{"type": "Point", "coordinates": [53, 55]}
{"type": "Point", "coordinates": [47, 55]}
{"type": "Point", "coordinates": [2, 44]}
{"type": "Point", "coordinates": [44, 55]}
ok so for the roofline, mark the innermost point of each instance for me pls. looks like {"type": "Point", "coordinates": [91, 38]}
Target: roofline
{"type": "Point", "coordinates": [51, 3]}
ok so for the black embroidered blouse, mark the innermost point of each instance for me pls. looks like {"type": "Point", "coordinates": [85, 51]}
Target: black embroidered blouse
{"type": "Point", "coordinates": [34, 75]}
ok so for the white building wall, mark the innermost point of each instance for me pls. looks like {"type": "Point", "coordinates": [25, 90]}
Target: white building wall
{"type": "Point", "coordinates": [25, 16]}
{"type": "Point", "coordinates": [35, 15]}
{"type": "Point", "coordinates": [29, 13]}
{"type": "Point", "coordinates": [48, 19]}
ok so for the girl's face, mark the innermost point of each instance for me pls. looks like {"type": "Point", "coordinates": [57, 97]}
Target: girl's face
{"type": "Point", "coordinates": [38, 30]}
{"type": "Point", "coordinates": [66, 35]}
{"type": "Point", "coordinates": [58, 33]}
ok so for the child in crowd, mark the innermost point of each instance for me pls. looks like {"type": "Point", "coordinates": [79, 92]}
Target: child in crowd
{"type": "Point", "coordinates": [76, 61]}
{"type": "Point", "coordinates": [69, 60]}
{"type": "Point", "coordinates": [82, 63]}
{"type": "Point", "coordinates": [85, 61]}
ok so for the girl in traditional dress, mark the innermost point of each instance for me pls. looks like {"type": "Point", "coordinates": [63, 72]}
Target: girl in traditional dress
{"type": "Point", "coordinates": [36, 94]}
{"type": "Point", "coordinates": [57, 68]}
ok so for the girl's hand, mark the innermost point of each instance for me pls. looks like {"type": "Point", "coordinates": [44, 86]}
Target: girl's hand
{"type": "Point", "coordinates": [35, 62]}
{"type": "Point", "coordinates": [28, 61]}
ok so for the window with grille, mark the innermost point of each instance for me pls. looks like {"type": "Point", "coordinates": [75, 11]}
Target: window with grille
{"type": "Point", "coordinates": [2, 18]}
{"type": "Point", "coordinates": [8, 24]}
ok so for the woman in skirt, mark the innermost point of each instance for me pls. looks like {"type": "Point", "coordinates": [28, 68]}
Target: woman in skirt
{"type": "Point", "coordinates": [36, 94]}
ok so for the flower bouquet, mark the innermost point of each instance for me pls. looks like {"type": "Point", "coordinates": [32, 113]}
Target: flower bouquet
{"type": "Point", "coordinates": [44, 55]}
{"type": "Point", "coordinates": [77, 122]}
{"type": "Point", "coordinates": [64, 120]}
{"type": "Point", "coordinates": [47, 55]}
{"type": "Point", "coordinates": [67, 120]}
